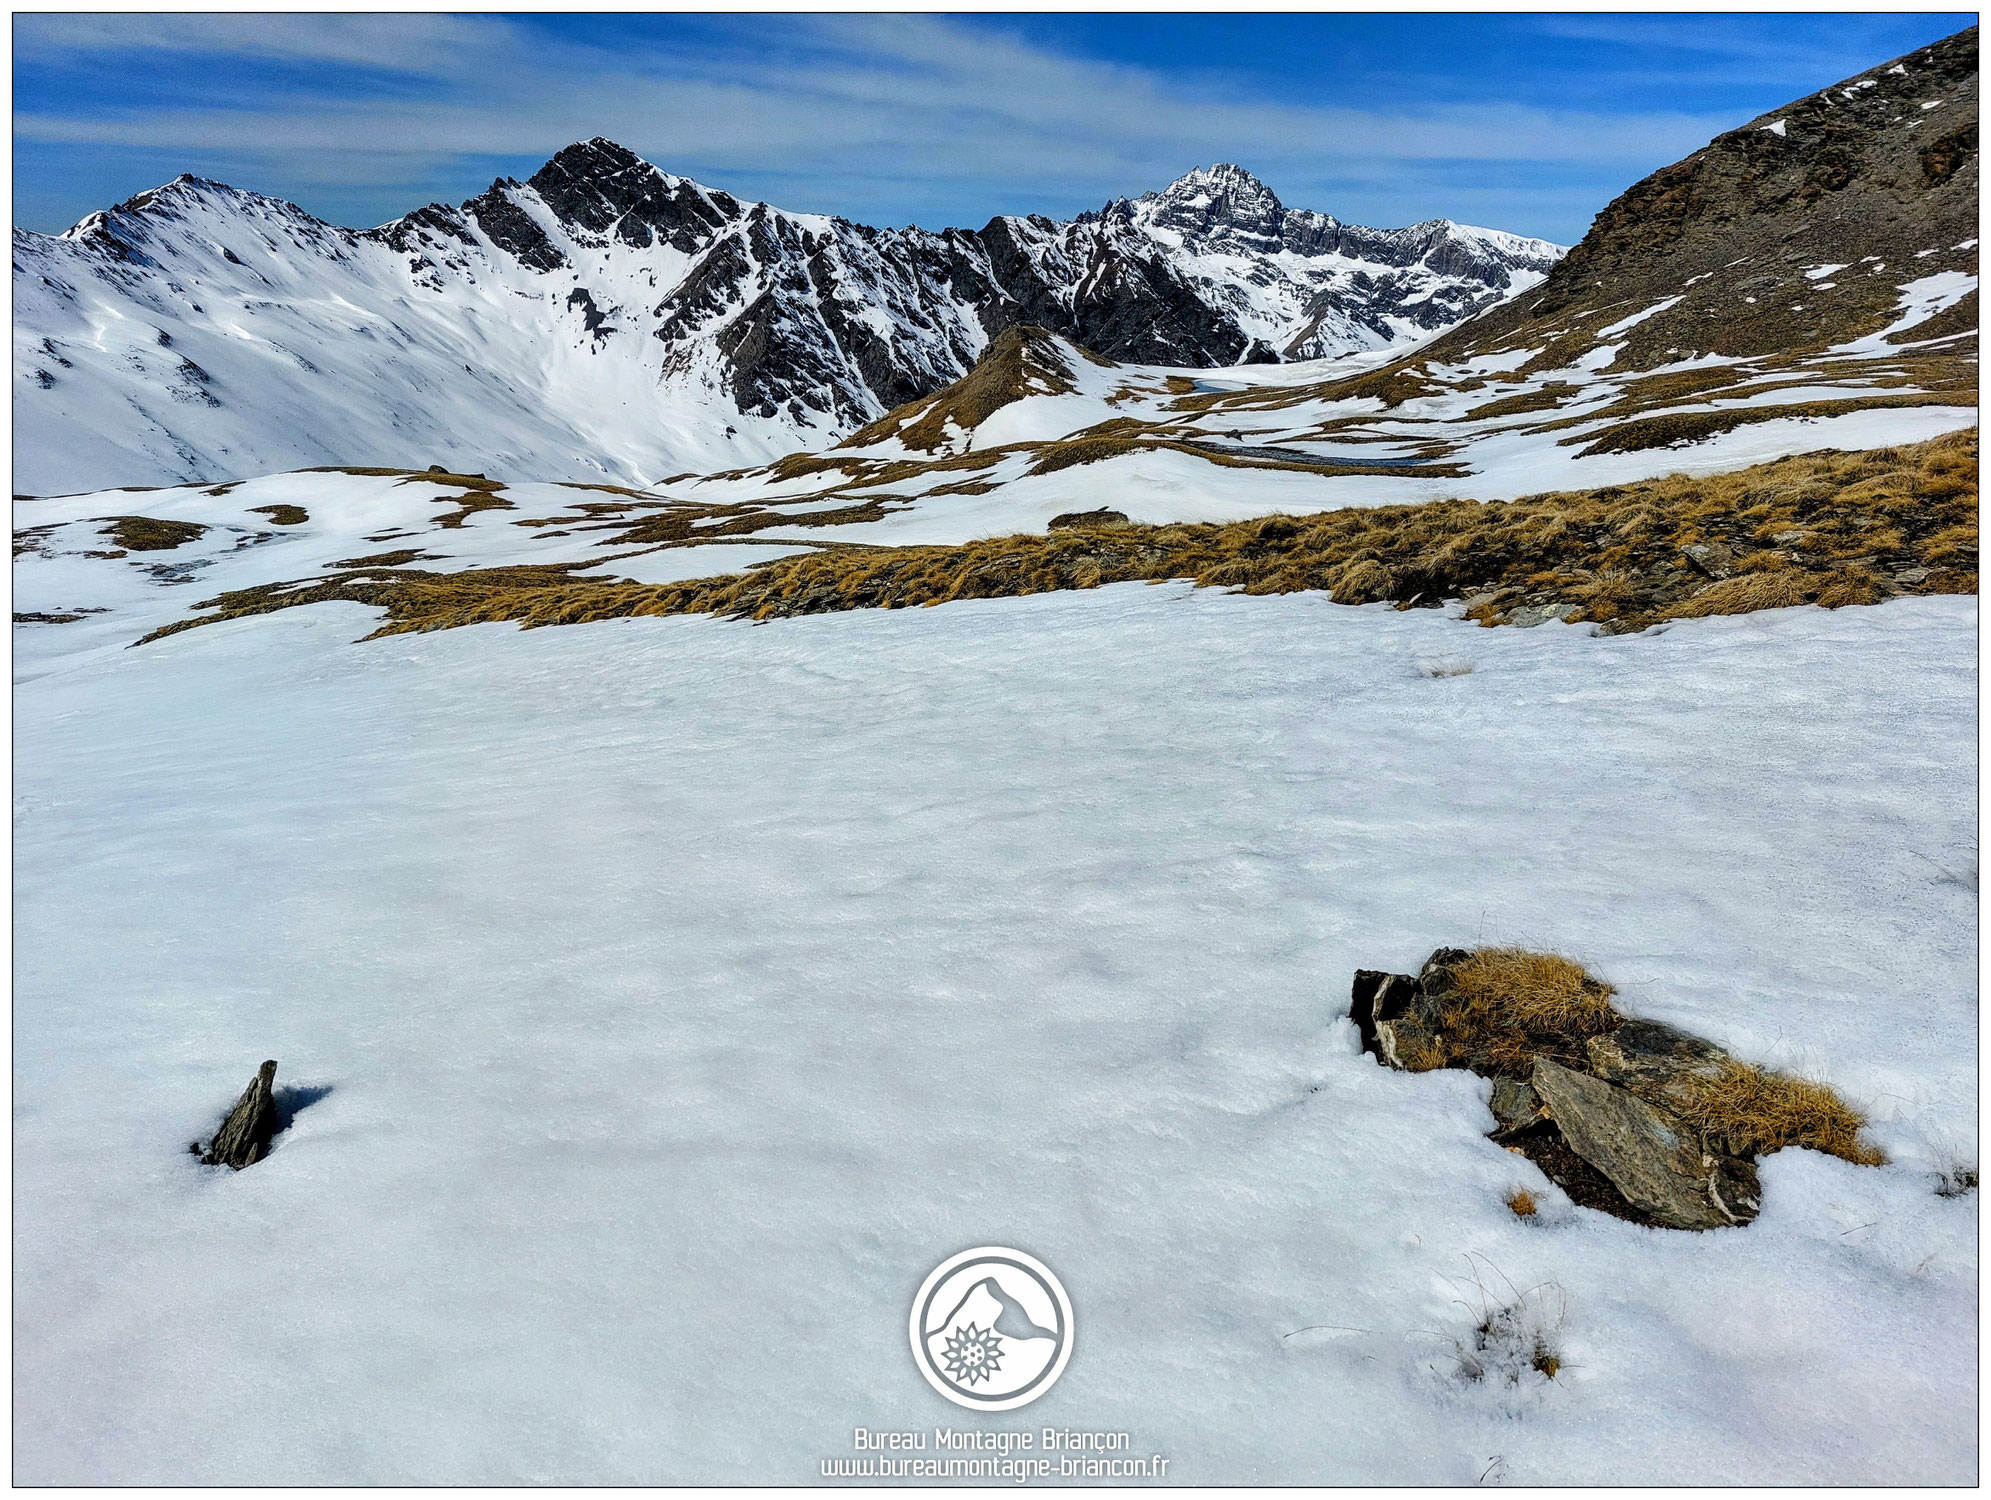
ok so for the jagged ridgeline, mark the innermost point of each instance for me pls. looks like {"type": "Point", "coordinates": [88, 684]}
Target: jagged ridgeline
{"type": "Point", "coordinates": [606, 315]}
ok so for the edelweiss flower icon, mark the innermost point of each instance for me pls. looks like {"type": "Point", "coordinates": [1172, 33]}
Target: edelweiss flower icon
{"type": "Point", "coordinates": [991, 1328]}
{"type": "Point", "coordinates": [972, 1354]}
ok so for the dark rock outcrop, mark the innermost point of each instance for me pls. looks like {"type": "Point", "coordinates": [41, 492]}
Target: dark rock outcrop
{"type": "Point", "coordinates": [1073, 519]}
{"type": "Point", "coordinates": [1598, 1122]}
{"type": "Point", "coordinates": [244, 1137]}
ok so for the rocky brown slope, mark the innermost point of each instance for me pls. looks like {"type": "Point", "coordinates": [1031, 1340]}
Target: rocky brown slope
{"type": "Point", "coordinates": [1875, 178]}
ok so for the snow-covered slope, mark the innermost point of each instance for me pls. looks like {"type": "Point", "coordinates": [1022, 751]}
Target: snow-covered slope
{"type": "Point", "coordinates": [666, 997]}
{"type": "Point", "coordinates": [609, 319]}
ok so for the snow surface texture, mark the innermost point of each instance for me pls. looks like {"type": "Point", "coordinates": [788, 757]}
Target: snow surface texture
{"type": "Point", "coordinates": [672, 995]}
{"type": "Point", "coordinates": [610, 320]}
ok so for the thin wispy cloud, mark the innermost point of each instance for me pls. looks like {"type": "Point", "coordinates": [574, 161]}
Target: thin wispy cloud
{"type": "Point", "coordinates": [937, 117]}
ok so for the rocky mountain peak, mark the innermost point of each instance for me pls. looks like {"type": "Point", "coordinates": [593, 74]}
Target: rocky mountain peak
{"type": "Point", "coordinates": [599, 160]}
{"type": "Point", "coordinates": [607, 189]}
{"type": "Point", "coordinates": [1221, 196]}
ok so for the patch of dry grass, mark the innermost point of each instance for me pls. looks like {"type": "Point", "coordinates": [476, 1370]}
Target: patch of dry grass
{"type": "Point", "coordinates": [1072, 452]}
{"type": "Point", "coordinates": [150, 534]}
{"type": "Point", "coordinates": [1694, 426]}
{"type": "Point", "coordinates": [1500, 1008]}
{"type": "Point", "coordinates": [468, 504]}
{"type": "Point", "coordinates": [1757, 1111]}
{"type": "Point", "coordinates": [699, 524]}
{"type": "Point", "coordinates": [393, 559]}
{"type": "Point", "coordinates": [1753, 591]}
{"type": "Point", "coordinates": [1830, 528]}
{"type": "Point", "coordinates": [1508, 989]}
{"type": "Point", "coordinates": [1522, 1203]}
{"type": "Point", "coordinates": [281, 515]}
{"type": "Point", "coordinates": [1020, 361]}
{"type": "Point", "coordinates": [1514, 1334]}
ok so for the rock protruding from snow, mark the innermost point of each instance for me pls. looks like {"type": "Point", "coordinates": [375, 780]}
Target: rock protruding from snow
{"type": "Point", "coordinates": [1073, 520]}
{"type": "Point", "coordinates": [1645, 1155]}
{"type": "Point", "coordinates": [1606, 1133]}
{"type": "Point", "coordinates": [244, 1137]}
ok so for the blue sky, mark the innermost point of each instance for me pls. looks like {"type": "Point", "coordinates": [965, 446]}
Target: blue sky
{"type": "Point", "coordinates": [1528, 123]}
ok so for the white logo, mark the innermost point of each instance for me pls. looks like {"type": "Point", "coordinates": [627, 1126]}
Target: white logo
{"type": "Point", "coordinates": [992, 1329]}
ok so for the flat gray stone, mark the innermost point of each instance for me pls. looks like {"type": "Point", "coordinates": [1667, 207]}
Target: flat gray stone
{"type": "Point", "coordinates": [1530, 615]}
{"type": "Point", "coordinates": [1645, 1154]}
{"type": "Point", "coordinates": [1651, 1053]}
{"type": "Point", "coordinates": [1712, 558]}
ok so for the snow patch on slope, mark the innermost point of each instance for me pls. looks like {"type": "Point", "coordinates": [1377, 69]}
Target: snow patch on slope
{"type": "Point", "coordinates": [644, 1089]}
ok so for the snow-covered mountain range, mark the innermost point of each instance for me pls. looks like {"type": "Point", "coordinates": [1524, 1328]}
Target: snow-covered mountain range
{"type": "Point", "coordinates": [608, 318]}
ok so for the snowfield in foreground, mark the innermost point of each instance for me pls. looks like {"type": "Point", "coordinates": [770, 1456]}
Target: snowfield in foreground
{"type": "Point", "coordinates": [677, 993]}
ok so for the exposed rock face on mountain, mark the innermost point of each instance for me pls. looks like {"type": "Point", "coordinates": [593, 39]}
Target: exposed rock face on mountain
{"type": "Point", "coordinates": [1793, 233]}
{"type": "Point", "coordinates": [1214, 270]}
{"type": "Point", "coordinates": [608, 316]}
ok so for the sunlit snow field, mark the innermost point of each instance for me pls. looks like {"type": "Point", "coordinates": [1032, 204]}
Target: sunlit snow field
{"type": "Point", "coordinates": [680, 992]}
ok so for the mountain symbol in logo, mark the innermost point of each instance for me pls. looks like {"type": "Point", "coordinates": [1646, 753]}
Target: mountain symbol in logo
{"type": "Point", "coordinates": [991, 1328]}
{"type": "Point", "coordinates": [1012, 1321]}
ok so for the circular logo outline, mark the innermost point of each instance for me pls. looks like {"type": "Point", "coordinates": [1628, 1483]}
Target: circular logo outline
{"type": "Point", "coordinates": [999, 1255]}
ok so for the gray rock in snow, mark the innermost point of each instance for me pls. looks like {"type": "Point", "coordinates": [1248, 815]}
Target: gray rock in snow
{"type": "Point", "coordinates": [1537, 614]}
{"type": "Point", "coordinates": [1644, 1056]}
{"type": "Point", "coordinates": [1095, 518]}
{"type": "Point", "coordinates": [1514, 1104]}
{"type": "Point", "coordinates": [1647, 1155]}
{"type": "Point", "coordinates": [244, 1137]}
{"type": "Point", "coordinates": [1378, 997]}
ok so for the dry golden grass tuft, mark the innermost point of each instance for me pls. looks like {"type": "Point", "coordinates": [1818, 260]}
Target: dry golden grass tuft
{"type": "Point", "coordinates": [1523, 1203]}
{"type": "Point", "coordinates": [281, 515]}
{"type": "Point", "coordinates": [468, 504]}
{"type": "Point", "coordinates": [1697, 426]}
{"type": "Point", "coordinates": [1511, 989]}
{"type": "Point", "coordinates": [1503, 1007]}
{"type": "Point", "coordinates": [392, 559]}
{"type": "Point", "coordinates": [1757, 1111]}
{"type": "Point", "coordinates": [1072, 452]}
{"type": "Point", "coordinates": [1778, 589]}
